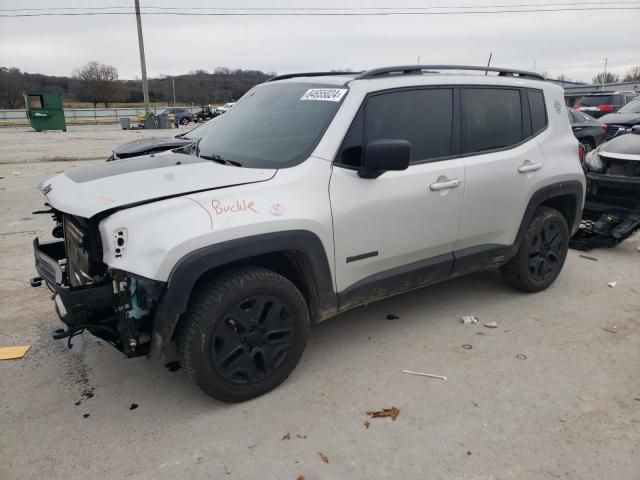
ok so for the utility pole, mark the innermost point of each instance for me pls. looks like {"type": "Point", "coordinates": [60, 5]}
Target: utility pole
{"type": "Point", "coordinates": [173, 86]}
{"type": "Point", "coordinates": [605, 74]}
{"type": "Point", "coordinates": [143, 64]}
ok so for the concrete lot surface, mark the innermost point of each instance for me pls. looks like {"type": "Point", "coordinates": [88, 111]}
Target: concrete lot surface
{"type": "Point", "coordinates": [548, 394]}
{"type": "Point", "coordinates": [85, 142]}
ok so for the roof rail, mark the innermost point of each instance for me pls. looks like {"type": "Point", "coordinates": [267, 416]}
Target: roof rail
{"type": "Point", "coordinates": [419, 69]}
{"type": "Point", "coordinates": [309, 74]}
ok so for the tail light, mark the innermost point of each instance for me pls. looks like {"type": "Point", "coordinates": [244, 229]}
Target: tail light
{"type": "Point", "coordinates": [576, 106]}
{"type": "Point", "coordinates": [606, 108]}
{"type": "Point", "coordinates": [580, 153]}
{"type": "Point", "coordinates": [604, 127]}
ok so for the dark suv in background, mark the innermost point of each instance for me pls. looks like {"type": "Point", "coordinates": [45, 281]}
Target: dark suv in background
{"type": "Point", "coordinates": [623, 120]}
{"type": "Point", "coordinates": [183, 116]}
{"type": "Point", "coordinates": [589, 131]}
{"type": "Point", "coordinates": [599, 104]}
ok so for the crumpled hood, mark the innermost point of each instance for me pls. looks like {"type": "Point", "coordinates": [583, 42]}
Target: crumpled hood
{"type": "Point", "coordinates": [87, 191]}
{"type": "Point", "coordinates": [145, 144]}
{"type": "Point", "coordinates": [625, 147]}
{"type": "Point", "coordinates": [621, 118]}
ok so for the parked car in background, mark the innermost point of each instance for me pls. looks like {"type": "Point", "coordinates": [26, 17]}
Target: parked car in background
{"type": "Point", "coordinates": [223, 109]}
{"type": "Point", "coordinates": [204, 114]}
{"type": "Point", "coordinates": [623, 120]}
{"type": "Point", "coordinates": [147, 146]}
{"type": "Point", "coordinates": [612, 211]}
{"type": "Point", "coordinates": [589, 131]}
{"type": "Point", "coordinates": [599, 104]}
{"type": "Point", "coordinates": [183, 116]}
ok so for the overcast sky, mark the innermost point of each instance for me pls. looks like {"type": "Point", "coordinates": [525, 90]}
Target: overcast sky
{"type": "Point", "coordinates": [575, 42]}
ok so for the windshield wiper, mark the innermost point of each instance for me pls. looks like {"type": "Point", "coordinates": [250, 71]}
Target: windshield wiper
{"type": "Point", "coordinates": [217, 158]}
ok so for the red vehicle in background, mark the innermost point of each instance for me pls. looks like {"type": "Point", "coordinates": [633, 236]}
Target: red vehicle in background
{"type": "Point", "coordinates": [599, 104]}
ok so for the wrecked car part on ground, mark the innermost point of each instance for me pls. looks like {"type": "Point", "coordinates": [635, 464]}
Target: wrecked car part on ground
{"type": "Point", "coordinates": [612, 209]}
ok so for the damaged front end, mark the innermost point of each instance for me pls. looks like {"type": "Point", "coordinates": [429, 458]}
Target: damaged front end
{"type": "Point", "coordinates": [111, 304]}
{"type": "Point", "coordinates": [612, 209]}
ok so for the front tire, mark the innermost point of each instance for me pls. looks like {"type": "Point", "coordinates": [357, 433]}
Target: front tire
{"type": "Point", "coordinates": [541, 254]}
{"type": "Point", "coordinates": [185, 121]}
{"type": "Point", "coordinates": [243, 334]}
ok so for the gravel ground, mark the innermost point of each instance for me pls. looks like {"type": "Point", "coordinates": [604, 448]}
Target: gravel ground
{"type": "Point", "coordinates": [82, 142]}
{"type": "Point", "coordinates": [548, 394]}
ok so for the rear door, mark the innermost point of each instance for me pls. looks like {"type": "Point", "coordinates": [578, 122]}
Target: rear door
{"type": "Point", "coordinates": [503, 163]}
{"type": "Point", "coordinates": [401, 226]}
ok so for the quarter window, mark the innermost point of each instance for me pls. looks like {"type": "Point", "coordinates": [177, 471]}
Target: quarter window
{"type": "Point", "coordinates": [538, 111]}
{"type": "Point", "coordinates": [491, 119]}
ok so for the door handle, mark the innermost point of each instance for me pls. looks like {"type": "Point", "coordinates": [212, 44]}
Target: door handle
{"type": "Point", "coordinates": [443, 183]}
{"type": "Point", "coordinates": [527, 167]}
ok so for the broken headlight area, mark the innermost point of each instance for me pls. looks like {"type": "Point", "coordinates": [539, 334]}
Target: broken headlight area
{"type": "Point", "coordinates": [111, 304]}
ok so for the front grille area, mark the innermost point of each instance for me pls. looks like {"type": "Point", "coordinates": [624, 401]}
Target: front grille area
{"type": "Point", "coordinates": [614, 131]}
{"type": "Point", "coordinates": [83, 250]}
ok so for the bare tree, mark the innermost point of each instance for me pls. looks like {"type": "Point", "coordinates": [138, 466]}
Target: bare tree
{"type": "Point", "coordinates": [632, 75]}
{"type": "Point", "coordinates": [99, 83]}
{"type": "Point", "coordinates": [607, 77]}
{"type": "Point", "coordinates": [12, 85]}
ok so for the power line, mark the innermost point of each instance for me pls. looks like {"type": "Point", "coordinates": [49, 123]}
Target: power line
{"type": "Point", "coordinates": [364, 9]}
{"type": "Point", "coordinates": [319, 13]}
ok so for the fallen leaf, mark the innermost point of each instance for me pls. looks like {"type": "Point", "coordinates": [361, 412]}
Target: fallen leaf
{"type": "Point", "coordinates": [287, 436]}
{"type": "Point", "coordinates": [491, 325]}
{"type": "Point", "coordinates": [324, 458]}
{"type": "Point", "coordinates": [300, 477]}
{"type": "Point", "coordinates": [392, 412]}
{"type": "Point", "coordinates": [366, 424]}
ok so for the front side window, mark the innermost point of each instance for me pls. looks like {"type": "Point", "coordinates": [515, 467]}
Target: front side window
{"type": "Point", "coordinates": [422, 117]}
{"type": "Point", "coordinates": [491, 119]}
{"type": "Point", "coordinates": [631, 107]}
{"type": "Point", "coordinates": [274, 125]}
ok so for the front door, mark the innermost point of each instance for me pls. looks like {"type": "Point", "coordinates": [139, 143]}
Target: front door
{"type": "Point", "coordinates": [397, 231]}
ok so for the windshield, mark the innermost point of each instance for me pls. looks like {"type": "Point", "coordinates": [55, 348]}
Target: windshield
{"type": "Point", "coordinates": [201, 130]}
{"type": "Point", "coordinates": [274, 125]}
{"type": "Point", "coordinates": [631, 107]}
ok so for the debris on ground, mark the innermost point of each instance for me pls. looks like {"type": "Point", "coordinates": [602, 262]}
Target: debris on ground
{"type": "Point", "coordinates": [430, 375]}
{"type": "Point", "coordinates": [612, 284]}
{"type": "Point", "coordinates": [393, 316]}
{"type": "Point", "coordinates": [366, 424]}
{"type": "Point", "coordinates": [300, 436]}
{"type": "Point", "coordinates": [588, 257]}
{"type": "Point", "coordinates": [610, 330]}
{"type": "Point", "coordinates": [86, 415]}
{"type": "Point", "coordinates": [466, 346]}
{"type": "Point", "coordinates": [392, 412]}
{"type": "Point", "coordinates": [470, 320]}
{"type": "Point", "coordinates": [491, 324]}
{"type": "Point", "coordinates": [521, 356]}
{"type": "Point", "coordinates": [133, 406]}
{"type": "Point", "coordinates": [324, 458]}
{"type": "Point", "coordinates": [287, 436]}
{"type": "Point", "coordinates": [300, 477]}
{"type": "Point", "coordinates": [468, 452]}
{"type": "Point", "coordinates": [13, 353]}
{"type": "Point", "coordinates": [15, 173]}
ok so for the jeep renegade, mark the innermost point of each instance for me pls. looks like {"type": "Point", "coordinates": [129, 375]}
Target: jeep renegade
{"type": "Point", "coordinates": [316, 193]}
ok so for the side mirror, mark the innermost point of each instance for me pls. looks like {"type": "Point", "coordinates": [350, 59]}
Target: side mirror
{"type": "Point", "coordinates": [635, 129]}
{"type": "Point", "coordinates": [384, 155]}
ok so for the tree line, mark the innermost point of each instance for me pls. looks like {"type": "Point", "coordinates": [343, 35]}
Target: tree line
{"type": "Point", "coordinates": [100, 84]}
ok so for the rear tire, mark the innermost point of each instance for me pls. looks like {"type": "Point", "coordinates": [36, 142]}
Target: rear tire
{"type": "Point", "coordinates": [541, 254]}
{"type": "Point", "coordinates": [243, 334]}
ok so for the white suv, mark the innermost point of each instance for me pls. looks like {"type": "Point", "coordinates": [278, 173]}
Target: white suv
{"type": "Point", "coordinates": [315, 194]}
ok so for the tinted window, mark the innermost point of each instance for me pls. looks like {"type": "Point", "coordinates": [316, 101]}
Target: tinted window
{"type": "Point", "coordinates": [423, 117]}
{"type": "Point", "coordinates": [491, 118]}
{"type": "Point", "coordinates": [538, 111]}
{"type": "Point", "coordinates": [595, 100]}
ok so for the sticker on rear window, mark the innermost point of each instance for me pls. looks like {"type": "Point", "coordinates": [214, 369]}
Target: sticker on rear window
{"type": "Point", "coordinates": [325, 94]}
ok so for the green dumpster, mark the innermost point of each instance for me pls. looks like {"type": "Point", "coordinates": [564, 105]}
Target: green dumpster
{"type": "Point", "coordinates": [44, 111]}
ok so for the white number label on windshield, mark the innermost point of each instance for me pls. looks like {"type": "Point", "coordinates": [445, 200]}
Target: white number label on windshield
{"type": "Point", "coordinates": [325, 94]}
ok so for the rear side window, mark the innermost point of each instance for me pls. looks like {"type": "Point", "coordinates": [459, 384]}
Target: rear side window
{"type": "Point", "coordinates": [595, 100]}
{"type": "Point", "coordinates": [491, 119]}
{"type": "Point", "coordinates": [538, 111]}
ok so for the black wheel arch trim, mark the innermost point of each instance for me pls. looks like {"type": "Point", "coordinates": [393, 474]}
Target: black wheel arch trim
{"type": "Point", "coordinates": [195, 265]}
